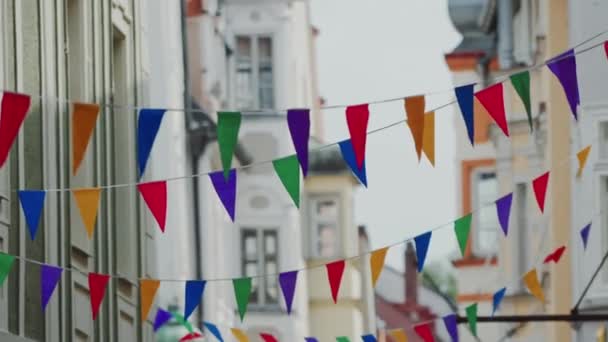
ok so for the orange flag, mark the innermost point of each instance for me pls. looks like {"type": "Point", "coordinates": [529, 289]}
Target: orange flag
{"type": "Point", "coordinates": [414, 109]}
{"type": "Point", "coordinates": [147, 288]}
{"type": "Point", "coordinates": [398, 335]}
{"type": "Point", "coordinates": [582, 160]}
{"type": "Point", "coordinates": [239, 335]}
{"type": "Point", "coordinates": [88, 202]}
{"type": "Point", "coordinates": [376, 261]}
{"type": "Point", "coordinates": [84, 117]}
{"type": "Point", "coordinates": [531, 281]}
{"type": "Point", "coordinates": [428, 137]}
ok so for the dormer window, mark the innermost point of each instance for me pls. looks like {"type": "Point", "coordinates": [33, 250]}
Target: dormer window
{"type": "Point", "coordinates": [254, 74]}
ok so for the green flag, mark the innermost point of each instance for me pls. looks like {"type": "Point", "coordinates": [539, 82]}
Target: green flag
{"type": "Point", "coordinates": [472, 317]}
{"type": "Point", "coordinates": [462, 227]}
{"type": "Point", "coordinates": [242, 292]}
{"type": "Point", "coordinates": [181, 320]}
{"type": "Point", "coordinates": [228, 124]}
{"type": "Point", "coordinates": [342, 339]}
{"type": "Point", "coordinates": [288, 170]}
{"type": "Point", "coordinates": [521, 83]}
{"type": "Point", "coordinates": [6, 263]}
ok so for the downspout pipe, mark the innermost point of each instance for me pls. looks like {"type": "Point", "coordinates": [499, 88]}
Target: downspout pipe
{"type": "Point", "coordinates": [505, 34]}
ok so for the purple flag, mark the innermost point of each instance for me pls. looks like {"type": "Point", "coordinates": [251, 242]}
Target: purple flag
{"type": "Point", "coordinates": [162, 317]}
{"type": "Point", "coordinates": [585, 235]}
{"type": "Point", "coordinates": [225, 189]}
{"type": "Point", "coordinates": [49, 278]}
{"type": "Point", "coordinates": [503, 207]}
{"type": "Point", "coordinates": [288, 286]}
{"type": "Point", "coordinates": [564, 68]}
{"type": "Point", "coordinates": [311, 339]}
{"type": "Point", "coordinates": [451, 326]}
{"type": "Point", "coordinates": [299, 127]}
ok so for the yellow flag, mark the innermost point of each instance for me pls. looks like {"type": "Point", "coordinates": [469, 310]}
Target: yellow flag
{"type": "Point", "coordinates": [531, 281]}
{"type": "Point", "coordinates": [84, 118]}
{"type": "Point", "coordinates": [399, 335]}
{"type": "Point", "coordinates": [239, 335]}
{"type": "Point", "coordinates": [147, 290]}
{"type": "Point", "coordinates": [377, 263]}
{"type": "Point", "coordinates": [428, 137]}
{"type": "Point", "coordinates": [88, 202]}
{"type": "Point", "coordinates": [601, 334]}
{"type": "Point", "coordinates": [414, 109]}
{"type": "Point", "coordinates": [582, 159]}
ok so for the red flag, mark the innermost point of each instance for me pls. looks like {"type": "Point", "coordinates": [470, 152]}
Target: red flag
{"type": "Point", "coordinates": [334, 274]}
{"type": "Point", "coordinates": [12, 113]}
{"type": "Point", "coordinates": [155, 196]}
{"type": "Point", "coordinates": [97, 287]}
{"type": "Point", "coordinates": [268, 338]}
{"type": "Point", "coordinates": [424, 331]}
{"type": "Point", "coordinates": [606, 48]}
{"type": "Point", "coordinates": [540, 189]}
{"type": "Point", "coordinates": [357, 118]}
{"type": "Point", "coordinates": [190, 337]}
{"type": "Point", "coordinates": [555, 255]}
{"type": "Point", "coordinates": [492, 100]}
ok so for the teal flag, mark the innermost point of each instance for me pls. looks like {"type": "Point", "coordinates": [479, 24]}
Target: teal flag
{"type": "Point", "coordinates": [462, 227]}
{"type": "Point", "coordinates": [521, 83]}
{"type": "Point", "coordinates": [288, 170]}
{"type": "Point", "coordinates": [472, 317]}
{"type": "Point", "coordinates": [242, 292]}
{"type": "Point", "coordinates": [6, 263]}
{"type": "Point", "coordinates": [228, 125]}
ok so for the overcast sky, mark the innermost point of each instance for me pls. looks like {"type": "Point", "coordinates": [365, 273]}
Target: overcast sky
{"type": "Point", "coordinates": [378, 49]}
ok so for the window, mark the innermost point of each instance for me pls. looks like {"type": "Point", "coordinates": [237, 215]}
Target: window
{"type": "Point", "coordinates": [485, 190]}
{"type": "Point", "coordinates": [254, 79]}
{"type": "Point", "coordinates": [603, 137]}
{"type": "Point", "coordinates": [260, 256]}
{"type": "Point", "coordinates": [324, 226]}
{"type": "Point", "coordinates": [604, 228]}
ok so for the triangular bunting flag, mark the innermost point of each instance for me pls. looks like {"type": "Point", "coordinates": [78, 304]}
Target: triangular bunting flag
{"type": "Point", "coordinates": [6, 263]}
{"type": "Point", "coordinates": [268, 338]}
{"type": "Point", "coordinates": [148, 124]}
{"type": "Point", "coordinates": [182, 321]}
{"type": "Point", "coordinates": [348, 153]}
{"type": "Point", "coordinates": [503, 208]}
{"type": "Point", "coordinates": [521, 83]}
{"type": "Point", "coordinates": [425, 332]}
{"type": "Point", "coordinates": [376, 261]}
{"type": "Point", "coordinates": [147, 289]}
{"type": "Point", "coordinates": [422, 242]}
{"type": "Point", "coordinates": [49, 278]}
{"type": "Point", "coordinates": [190, 337]}
{"type": "Point", "coordinates": [162, 317]}
{"type": "Point", "coordinates": [194, 293]}
{"type": "Point", "coordinates": [428, 138]}
{"type": "Point", "coordinates": [287, 280]}
{"type": "Point", "coordinates": [155, 196]}
{"type": "Point", "coordinates": [471, 311]}
{"type": "Point", "coordinates": [310, 339]}
{"type": "Point", "coordinates": [398, 335]}
{"type": "Point", "coordinates": [87, 201]}
{"type": "Point", "coordinates": [606, 48]}
{"type": "Point", "coordinates": [564, 68]}
{"type": "Point", "coordinates": [288, 170]}
{"type": "Point", "coordinates": [239, 335]}
{"type": "Point", "coordinates": [298, 121]}
{"type": "Point", "coordinates": [225, 189]}
{"type": "Point", "coordinates": [451, 326]}
{"type": "Point", "coordinates": [228, 125]}
{"type": "Point", "coordinates": [369, 338]}
{"type": "Point", "coordinates": [32, 202]}
{"type": "Point", "coordinates": [13, 110]}
{"type": "Point", "coordinates": [540, 189]}
{"type": "Point", "coordinates": [84, 117]}
{"type": "Point", "coordinates": [342, 339]}
{"type": "Point", "coordinates": [357, 118]}
{"type": "Point", "coordinates": [533, 285]}
{"type": "Point", "coordinates": [491, 99]}
{"type": "Point", "coordinates": [582, 156]}
{"type": "Point", "coordinates": [555, 256]}
{"type": "Point", "coordinates": [214, 331]}
{"type": "Point", "coordinates": [464, 95]}
{"type": "Point", "coordinates": [414, 109]}
{"type": "Point", "coordinates": [497, 299]}
{"type": "Point", "coordinates": [462, 227]}
{"type": "Point", "coordinates": [585, 235]}
{"type": "Point", "coordinates": [97, 288]}
{"type": "Point", "coordinates": [335, 270]}
{"type": "Point", "coordinates": [242, 292]}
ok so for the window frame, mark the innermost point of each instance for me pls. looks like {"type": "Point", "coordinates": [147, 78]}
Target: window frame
{"type": "Point", "coordinates": [477, 206]}
{"type": "Point", "coordinates": [312, 222]}
{"type": "Point", "coordinates": [255, 70]}
{"type": "Point", "coordinates": [261, 257]}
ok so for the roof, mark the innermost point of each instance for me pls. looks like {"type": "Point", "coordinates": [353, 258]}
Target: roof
{"type": "Point", "coordinates": [476, 21]}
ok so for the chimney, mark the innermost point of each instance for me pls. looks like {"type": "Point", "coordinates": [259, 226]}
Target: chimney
{"type": "Point", "coordinates": [411, 275]}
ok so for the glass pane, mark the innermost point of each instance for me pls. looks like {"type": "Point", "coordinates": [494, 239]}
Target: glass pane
{"type": "Point", "coordinates": [270, 243]}
{"type": "Point", "coordinates": [254, 298]}
{"type": "Point", "coordinates": [271, 283]}
{"type": "Point", "coordinates": [487, 220]}
{"type": "Point", "coordinates": [265, 71]}
{"type": "Point", "coordinates": [603, 206]}
{"type": "Point", "coordinates": [327, 209]}
{"type": "Point", "coordinates": [604, 139]}
{"type": "Point", "coordinates": [244, 74]}
{"type": "Point", "coordinates": [250, 245]}
{"type": "Point", "coordinates": [327, 240]}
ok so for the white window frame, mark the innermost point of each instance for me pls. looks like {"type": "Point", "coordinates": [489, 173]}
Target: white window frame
{"type": "Point", "coordinates": [478, 206]}
{"type": "Point", "coordinates": [313, 221]}
{"type": "Point", "coordinates": [262, 282]}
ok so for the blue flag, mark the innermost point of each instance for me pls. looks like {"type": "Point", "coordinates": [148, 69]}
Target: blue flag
{"type": "Point", "coordinates": [147, 128]}
{"type": "Point", "coordinates": [369, 338]}
{"type": "Point", "coordinates": [464, 95]}
{"type": "Point", "coordinates": [348, 153]}
{"type": "Point", "coordinates": [422, 246]}
{"type": "Point", "coordinates": [161, 318]}
{"type": "Point", "coordinates": [194, 293]}
{"type": "Point", "coordinates": [585, 235]}
{"type": "Point", "coordinates": [214, 331]}
{"type": "Point", "coordinates": [498, 296]}
{"type": "Point", "coordinates": [32, 202]}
